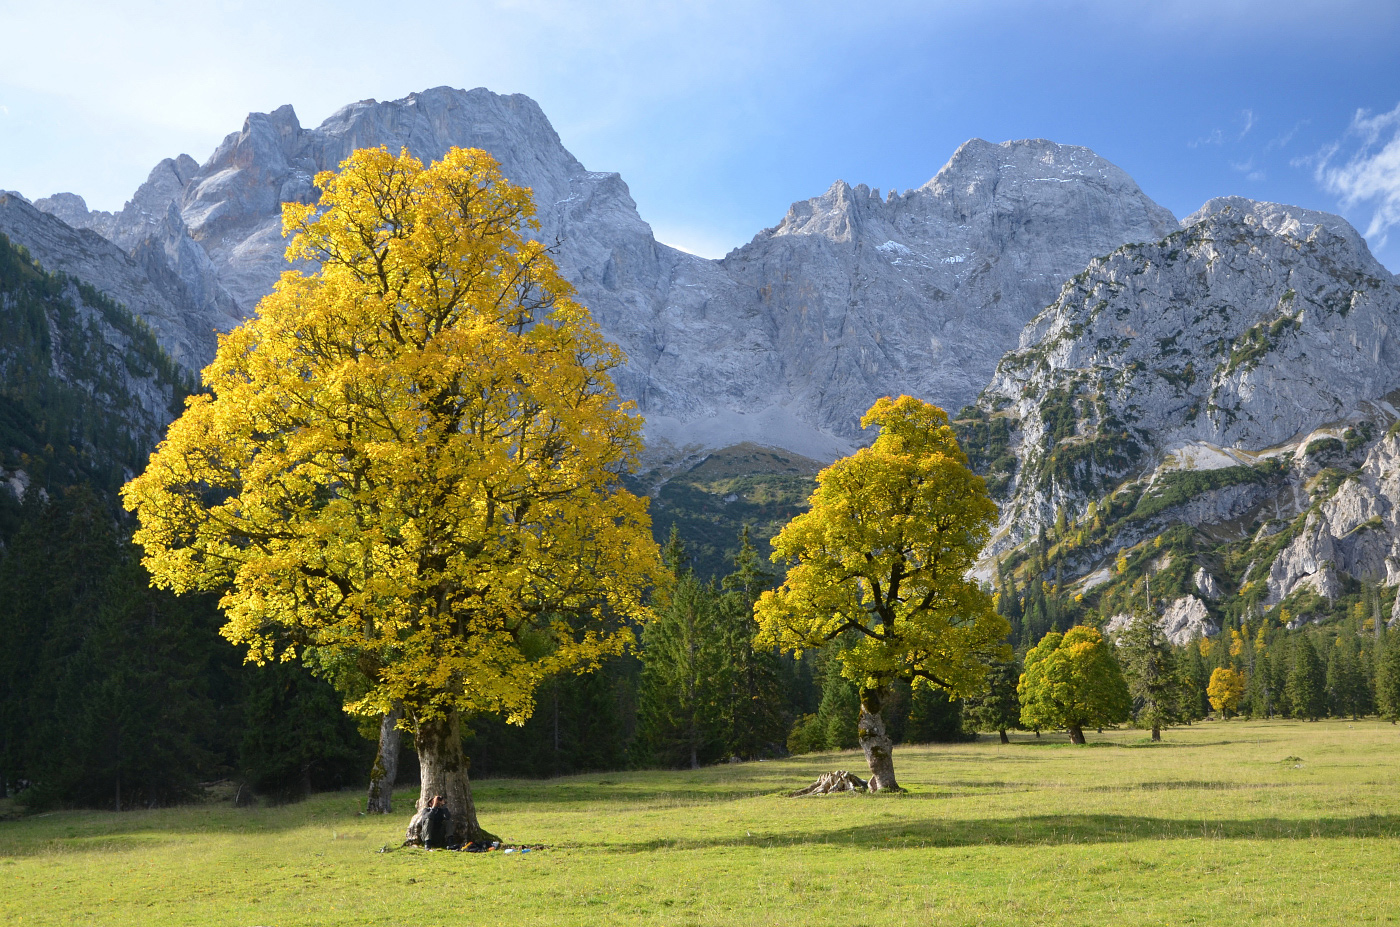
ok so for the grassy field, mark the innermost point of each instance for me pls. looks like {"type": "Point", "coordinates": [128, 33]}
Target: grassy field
{"type": "Point", "coordinates": [1225, 823]}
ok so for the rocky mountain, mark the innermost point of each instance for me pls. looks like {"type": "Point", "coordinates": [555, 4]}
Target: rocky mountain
{"type": "Point", "coordinates": [140, 278]}
{"type": "Point", "coordinates": [85, 391]}
{"type": "Point", "coordinates": [1202, 417]}
{"type": "Point", "coordinates": [785, 342]}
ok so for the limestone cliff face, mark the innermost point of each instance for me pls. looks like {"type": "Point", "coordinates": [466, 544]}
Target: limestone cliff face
{"type": "Point", "coordinates": [1355, 532]}
{"type": "Point", "coordinates": [1245, 331]}
{"type": "Point", "coordinates": [785, 342]}
{"type": "Point", "coordinates": [922, 292]}
{"type": "Point", "coordinates": [143, 280]}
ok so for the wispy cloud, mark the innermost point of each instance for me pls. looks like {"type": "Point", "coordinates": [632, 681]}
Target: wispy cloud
{"type": "Point", "coordinates": [1216, 137]}
{"type": "Point", "coordinates": [1247, 116]}
{"type": "Point", "coordinates": [1283, 140]}
{"type": "Point", "coordinates": [1249, 169]}
{"type": "Point", "coordinates": [1370, 174]}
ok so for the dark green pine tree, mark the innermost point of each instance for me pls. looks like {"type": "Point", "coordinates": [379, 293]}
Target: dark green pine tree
{"type": "Point", "coordinates": [833, 726]}
{"type": "Point", "coordinates": [1259, 693]}
{"type": "Point", "coordinates": [934, 718]}
{"type": "Point", "coordinates": [1345, 685]}
{"type": "Point", "coordinates": [1280, 659]}
{"type": "Point", "coordinates": [681, 663]}
{"type": "Point", "coordinates": [106, 700]}
{"type": "Point", "coordinates": [1195, 679]}
{"type": "Point", "coordinates": [997, 708]}
{"type": "Point", "coordinates": [1388, 677]}
{"type": "Point", "coordinates": [1154, 681]}
{"type": "Point", "coordinates": [1307, 681]}
{"type": "Point", "coordinates": [753, 712]}
{"type": "Point", "coordinates": [296, 737]}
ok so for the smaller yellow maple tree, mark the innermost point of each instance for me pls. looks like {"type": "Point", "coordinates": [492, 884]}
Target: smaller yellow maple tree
{"type": "Point", "coordinates": [881, 561]}
{"type": "Point", "coordinates": [1225, 689]}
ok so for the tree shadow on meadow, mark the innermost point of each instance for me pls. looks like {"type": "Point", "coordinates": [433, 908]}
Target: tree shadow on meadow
{"type": "Point", "coordinates": [1045, 830]}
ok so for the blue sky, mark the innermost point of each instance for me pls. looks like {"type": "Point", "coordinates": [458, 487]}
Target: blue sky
{"type": "Point", "coordinates": [718, 115]}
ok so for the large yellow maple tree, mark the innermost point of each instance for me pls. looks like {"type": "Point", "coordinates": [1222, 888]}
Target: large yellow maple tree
{"type": "Point", "coordinates": [405, 468]}
{"type": "Point", "coordinates": [881, 562]}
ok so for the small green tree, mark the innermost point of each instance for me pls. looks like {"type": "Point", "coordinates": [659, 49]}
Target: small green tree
{"type": "Point", "coordinates": [1388, 678]}
{"type": "Point", "coordinates": [1195, 677]}
{"type": "Point", "coordinates": [680, 668]}
{"type": "Point", "coordinates": [833, 726]}
{"type": "Point", "coordinates": [1072, 682]}
{"type": "Point", "coordinates": [1154, 681]}
{"type": "Point", "coordinates": [1346, 686]}
{"type": "Point", "coordinates": [1307, 681]}
{"type": "Point", "coordinates": [753, 709]}
{"type": "Point", "coordinates": [997, 708]}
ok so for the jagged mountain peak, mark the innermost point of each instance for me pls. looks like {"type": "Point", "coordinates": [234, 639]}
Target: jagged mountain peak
{"type": "Point", "coordinates": [788, 339]}
{"type": "Point", "coordinates": [1224, 341]}
{"type": "Point", "coordinates": [1293, 222]}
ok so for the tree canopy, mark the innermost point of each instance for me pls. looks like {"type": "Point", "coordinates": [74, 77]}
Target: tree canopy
{"type": "Point", "coordinates": [1071, 682]}
{"type": "Point", "coordinates": [406, 465]}
{"type": "Point", "coordinates": [881, 559]}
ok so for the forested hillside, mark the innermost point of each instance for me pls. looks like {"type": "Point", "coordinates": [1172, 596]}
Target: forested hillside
{"type": "Point", "coordinates": [112, 693]}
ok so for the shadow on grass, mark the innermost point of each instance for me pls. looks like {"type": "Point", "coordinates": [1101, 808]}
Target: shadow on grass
{"type": "Point", "coordinates": [1046, 830]}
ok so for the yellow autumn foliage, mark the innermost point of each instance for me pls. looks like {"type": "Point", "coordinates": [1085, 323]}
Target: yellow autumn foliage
{"type": "Point", "coordinates": [1225, 690]}
{"type": "Point", "coordinates": [405, 467]}
{"type": "Point", "coordinates": [884, 551]}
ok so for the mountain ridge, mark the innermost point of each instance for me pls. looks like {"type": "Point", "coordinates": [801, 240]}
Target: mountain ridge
{"type": "Point", "coordinates": [922, 293]}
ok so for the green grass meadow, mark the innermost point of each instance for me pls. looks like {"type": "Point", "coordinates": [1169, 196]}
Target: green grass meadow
{"type": "Point", "coordinates": [1224, 823]}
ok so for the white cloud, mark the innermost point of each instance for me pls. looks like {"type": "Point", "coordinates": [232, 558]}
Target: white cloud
{"type": "Point", "coordinates": [1370, 176]}
{"type": "Point", "coordinates": [1247, 116]}
{"type": "Point", "coordinates": [1215, 137]}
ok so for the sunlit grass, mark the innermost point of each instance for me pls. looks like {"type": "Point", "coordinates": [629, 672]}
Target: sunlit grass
{"type": "Point", "coordinates": [1272, 823]}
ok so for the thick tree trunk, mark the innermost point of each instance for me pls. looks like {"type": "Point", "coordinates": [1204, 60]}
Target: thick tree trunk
{"type": "Point", "coordinates": [1156, 734]}
{"type": "Point", "coordinates": [1076, 735]}
{"type": "Point", "coordinates": [386, 765]}
{"type": "Point", "coordinates": [1004, 738]}
{"type": "Point", "coordinates": [445, 773]}
{"type": "Point", "coordinates": [879, 749]}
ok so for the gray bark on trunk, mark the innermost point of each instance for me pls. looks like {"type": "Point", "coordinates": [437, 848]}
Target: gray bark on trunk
{"type": "Point", "coordinates": [445, 773]}
{"type": "Point", "coordinates": [386, 765]}
{"type": "Point", "coordinates": [879, 749]}
{"type": "Point", "coordinates": [1076, 735]}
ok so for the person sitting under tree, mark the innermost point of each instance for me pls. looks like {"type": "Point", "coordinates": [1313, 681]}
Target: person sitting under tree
{"type": "Point", "coordinates": [437, 824]}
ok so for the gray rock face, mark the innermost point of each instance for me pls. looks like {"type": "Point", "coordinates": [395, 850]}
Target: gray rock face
{"type": "Point", "coordinates": [1356, 531]}
{"type": "Point", "coordinates": [785, 342]}
{"type": "Point", "coordinates": [1248, 329]}
{"type": "Point", "coordinates": [1187, 619]}
{"type": "Point", "coordinates": [149, 288]}
{"type": "Point", "coordinates": [1205, 584]}
{"type": "Point", "coordinates": [923, 292]}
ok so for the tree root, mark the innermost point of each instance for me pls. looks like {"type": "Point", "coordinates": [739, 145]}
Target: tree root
{"type": "Point", "coordinates": [832, 782]}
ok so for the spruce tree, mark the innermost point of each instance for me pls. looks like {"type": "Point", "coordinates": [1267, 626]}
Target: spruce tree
{"type": "Point", "coordinates": [1388, 678]}
{"type": "Point", "coordinates": [1153, 679]}
{"type": "Point", "coordinates": [680, 669]}
{"type": "Point", "coordinates": [752, 713]}
{"type": "Point", "coordinates": [997, 708]}
{"type": "Point", "coordinates": [1195, 678]}
{"type": "Point", "coordinates": [1307, 681]}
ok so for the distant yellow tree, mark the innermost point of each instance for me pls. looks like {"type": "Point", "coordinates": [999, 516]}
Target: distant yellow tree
{"type": "Point", "coordinates": [406, 469]}
{"type": "Point", "coordinates": [880, 561]}
{"type": "Point", "coordinates": [1225, 690]}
